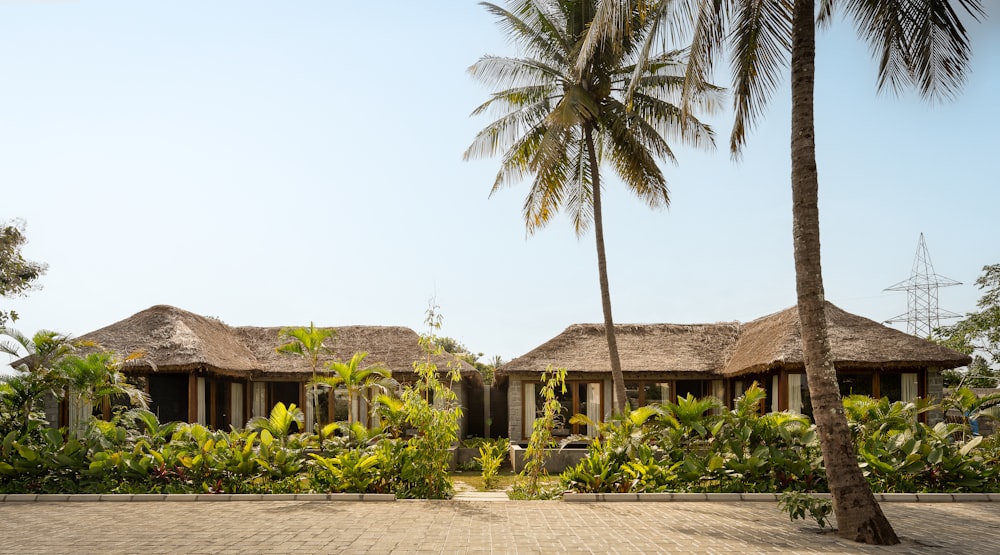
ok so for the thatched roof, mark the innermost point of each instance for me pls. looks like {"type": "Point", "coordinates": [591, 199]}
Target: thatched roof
{"type": "Point", "coordinates": [731, 348]}
{"type": "Point", "coordinates": [177, 340]}
{"type": "Point", "coordinates": [395, 347]}
{"type": "Point", "coordinates": [775, 341]}
{"type": "Point", "coordinates": [695, 348]}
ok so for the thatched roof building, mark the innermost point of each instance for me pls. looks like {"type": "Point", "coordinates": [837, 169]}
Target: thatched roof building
{"type": "Point", "coordinates": [775, 341]}
{"type": "Point", "coordinates": [698, 349]}
{"type": "Point", "coordinates": [176, 340]}
{"type": "Point", "coordinates": [733, 349]}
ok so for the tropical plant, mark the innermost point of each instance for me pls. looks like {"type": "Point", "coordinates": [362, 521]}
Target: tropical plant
{"type": "Point", "coordinates": [491, 457]}
{"type": "Point", "coordinates": [356, 379]}
{"type": "Point", "coordinates": [922, 43]}
{"type": "Point", "coordinates": [279, 424]}
{"type": "Point", "coordinates": [97, 378]}
{"type": "Point", "coordinates": [309, 343]}
{"type": "Point", "coordinates": [559, 123]}
{"type": "Point", "coordinates": [37, 376]}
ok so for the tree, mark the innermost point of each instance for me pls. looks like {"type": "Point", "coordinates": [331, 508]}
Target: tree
{"type": "Point", "coordinates": [355, 379]}
{"type": "Point", "coordinates": [978, 333]}
{"type": "Point", "coordinates": [17, 275]}
{"type": "Point", "coordinates": [486, 369]}
{"type": "Point", "coordinates": [922, 43]}
{"type": "Point", "coordinates": [309, 343]}
{"type": "Point", "coordinates": [559, 124]}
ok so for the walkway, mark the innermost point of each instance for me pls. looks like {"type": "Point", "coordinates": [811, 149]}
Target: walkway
{"type": "Point", "coordinates": [470, 527]}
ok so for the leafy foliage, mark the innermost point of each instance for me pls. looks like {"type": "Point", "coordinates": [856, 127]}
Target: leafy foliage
{"type": "Point", "coordinates": [798, 505]}
{"type": "Point", "coordinates": [978, 334]}
{"type": "Point", "coordinates": [17, 275]}
{"type": "Point", "coordinates": [432, 411]}
{"type": "Point", "coordinates": [529, 482]}
{"type": "Point", "coordinates": [684, 447]}
{"type": "Point", "coordinates": [491, 457]}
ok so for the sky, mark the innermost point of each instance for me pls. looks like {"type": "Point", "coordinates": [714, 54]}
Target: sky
{"type": "Point", "coordinates": [275, 163]}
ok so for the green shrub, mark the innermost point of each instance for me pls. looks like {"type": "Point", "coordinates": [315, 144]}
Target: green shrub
{"type": "Point", "coordinates": [491, 457]}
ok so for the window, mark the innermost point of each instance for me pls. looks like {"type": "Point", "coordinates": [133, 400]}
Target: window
{"type": "Point", "coordinates": [168, 396]}
{"type": "Point", "coordinates": [856, 384]}
{"type": "Point", "coordinates": [799, 401]}
{"type": "Point", "coordinates": [580, 398]}
{"type": "Point", "coordinates": [642, 393]}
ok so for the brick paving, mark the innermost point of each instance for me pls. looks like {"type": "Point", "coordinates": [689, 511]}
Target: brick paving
{"type": "Point", "coordinates": [455, 526]}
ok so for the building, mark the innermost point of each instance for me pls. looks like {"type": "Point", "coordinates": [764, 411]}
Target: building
{"type": "Point", "coordinates": [198, 369]}
{"type": "Point", "coordinates": [663, 361]}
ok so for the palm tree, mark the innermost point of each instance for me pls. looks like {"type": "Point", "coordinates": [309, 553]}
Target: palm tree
{"type": "Point", "coordinates": [94, 379]}
{"type": "Point", "coordinates": [920, 43]}
{"type": "Point", "coordinates": [559, 125]}
{"type": "Point", "coordinates": [355, 379]}
{"type": "Point", "coordinates": [37, 376]}
{"type": "Point", "coordinates": [309, 343]}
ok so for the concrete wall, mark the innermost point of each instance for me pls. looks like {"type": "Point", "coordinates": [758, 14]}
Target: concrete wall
{"type": "Point", "coordinates": [935, 391]}
{"type": "Point", "coordinates": [514, 410]}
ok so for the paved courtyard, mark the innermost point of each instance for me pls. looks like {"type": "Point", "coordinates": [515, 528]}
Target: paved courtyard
{"type": "Point", "coordinates": [471, 527]}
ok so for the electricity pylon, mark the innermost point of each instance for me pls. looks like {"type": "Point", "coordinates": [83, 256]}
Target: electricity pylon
{"type": "Point", "coordinates": [922, 315]}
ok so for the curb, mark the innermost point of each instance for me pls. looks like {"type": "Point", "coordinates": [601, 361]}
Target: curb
{"type": "Point", "coordinates": [192, 497]}
{"type": "Point", "coordinates": [567, 497]}
{"type": "Point", "coordinates": [771, 497]}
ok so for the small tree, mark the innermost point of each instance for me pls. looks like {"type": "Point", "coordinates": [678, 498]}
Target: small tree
{"type": "Point", "coordinates": [356, 379]}
{"type": "Point", "coordinates": [17, 275]}
{"type": "Point", "coordinates": [96, 378]}
{"type": "Point", "coordinates": [431, 409]}
{"type": "Point", "coordinates": [979, 333]}
{"type": "Point", "coordinates": [541, 442]}
{"type": "Point", "coordinates": [309, 343]}
{"type": "Point", "coordinates": [37, 376]}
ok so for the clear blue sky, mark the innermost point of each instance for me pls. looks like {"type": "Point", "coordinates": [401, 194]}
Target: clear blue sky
{"type": "Point", "coordinates": [276, 163]}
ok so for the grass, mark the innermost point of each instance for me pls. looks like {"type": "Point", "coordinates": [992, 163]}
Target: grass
{"type": "Point", "coordinates": [475, 480]}
{"type": "Point", "coordinates": [504, 480]}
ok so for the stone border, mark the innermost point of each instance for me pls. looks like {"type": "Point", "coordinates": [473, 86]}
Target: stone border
{"type": "Point", "coordinates": [140, 497]}
{"type": "Point", "coordinates": [772, 497]}
{"type": "Point", "coordinates": [567, 497]}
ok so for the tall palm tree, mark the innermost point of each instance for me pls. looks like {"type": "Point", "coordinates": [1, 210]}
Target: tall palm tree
{"type": "Point", "coordinates": [920, 43]}
{"type": "Point", "coordinates": [558, 124]}
{"type": "Point", "coordinates": [309, 343]}
{"type": "Point", "coordinates": [355, 379]}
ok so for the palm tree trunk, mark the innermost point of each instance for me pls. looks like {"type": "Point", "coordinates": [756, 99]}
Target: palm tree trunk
{"type": "Point", "coordinates": [859, 516]}
{"type": "Point", "coordinates": [618, 396]}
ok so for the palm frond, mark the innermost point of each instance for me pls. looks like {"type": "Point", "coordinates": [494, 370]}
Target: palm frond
{"type": "Point", "coordinates": [939, 46]}
{"type": "Point", "coordinates": [711, 18]}
{"type": "Point", "coordinates": [532, 28]}
{"type": "Point", "coordinates": [760, 51]}
{"type": "Point", "coordinates": [506, 131]}
{"type": "Point", "coordinates": [883, 23]}
{"type": "Point", "coordinates": [510, 72]}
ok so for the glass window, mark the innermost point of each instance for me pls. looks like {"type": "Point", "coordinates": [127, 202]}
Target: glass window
{"type": "Point", "coordinates": [694, 387]}
{"type": "Point", "coordinates": [891, 386]}
{"type": "Point", "coordinates": [579, 398]}
{"type": "Point", "coordinates": [855, 384]}
{"type": "Point", "coordinates": [799, 401]}
{"type": "Point", "coordinates": [642, 393]}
